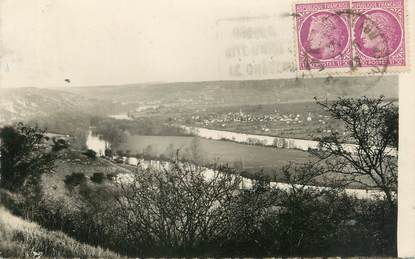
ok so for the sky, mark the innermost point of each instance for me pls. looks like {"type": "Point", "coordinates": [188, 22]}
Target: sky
{"type": "Point", "coordinates": [107, 42]}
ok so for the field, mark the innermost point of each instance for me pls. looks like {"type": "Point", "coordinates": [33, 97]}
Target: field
{"type": "Point", "coordinates": [302, 120]}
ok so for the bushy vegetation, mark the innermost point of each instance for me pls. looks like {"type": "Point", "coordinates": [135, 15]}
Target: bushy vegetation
{"type": "Point", "coordinates": [372, 125]}
{"type": "Point", "coordinates": [99, 177]}
{"type": "Point", "coordinates": [23, 156]}
{"type": "Point", "coordinates": [183, 212]}
{"type": "Point", "coordinates": [74, 179]}
{"type": "Point", "coordinates": [90, 153]}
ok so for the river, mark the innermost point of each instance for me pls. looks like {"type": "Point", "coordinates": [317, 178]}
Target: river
{"type": "Point", "coordinates": [253, 139]}
{"type": "Point", "coordinates": [252, 157]}
{"type": "Point", "coordinates": [289, 143]}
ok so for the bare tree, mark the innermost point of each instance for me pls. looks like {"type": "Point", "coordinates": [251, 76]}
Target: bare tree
{"type": "Point", "coordinates": [181, 207]}
{"type": "Point", "coordinates": [371, 128]}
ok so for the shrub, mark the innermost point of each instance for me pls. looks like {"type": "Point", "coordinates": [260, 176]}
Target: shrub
{"type": "Point", "coordinates": [59, 144]}
{"type": "Point", "coordinates": [91, 154]}
{"type": "Point", "coordinates": [75, 179]}
{"type": "Point", "coordinates": [98, 177]}
{"type": "Point", "coordinates": [24, 157]}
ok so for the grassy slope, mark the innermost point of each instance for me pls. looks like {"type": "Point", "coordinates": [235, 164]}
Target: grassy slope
{"type": "Point", "coordinates": [20, 238]}
{"type": "Point", "coordinates": [73, 161]}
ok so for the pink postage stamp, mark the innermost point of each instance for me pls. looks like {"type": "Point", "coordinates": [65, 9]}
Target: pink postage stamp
{"type": "Point", "coordinates": [379, 33]}
{"type": "Point", "coordinates": [355, 34]}
{"type": "Point", "coordinates": [323, 35]}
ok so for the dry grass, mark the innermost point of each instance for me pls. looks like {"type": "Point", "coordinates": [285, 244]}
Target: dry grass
{"type": "Point", "coordinates": [20, 238]}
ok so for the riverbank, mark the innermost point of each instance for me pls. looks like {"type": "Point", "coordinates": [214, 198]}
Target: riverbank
{"type": "Point", "coordinates": [271, 141]}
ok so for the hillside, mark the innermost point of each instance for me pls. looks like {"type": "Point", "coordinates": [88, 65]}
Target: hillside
{"type": "Point", "coordinates": [245, 92]}
{"type": "Point", "coordinates": [54, 107]}
{"type": "Point", "coordinates": [20, 238]}
{"type": "Point", "coordinates": [27, 103]}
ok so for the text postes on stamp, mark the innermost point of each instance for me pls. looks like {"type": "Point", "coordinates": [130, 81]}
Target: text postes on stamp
{"type": "Point", "coordinates": [323, 35]}
{"type": "Point", "coordinates": [379, 33]}
{"type": "Point", "coordinates": [356, 34]}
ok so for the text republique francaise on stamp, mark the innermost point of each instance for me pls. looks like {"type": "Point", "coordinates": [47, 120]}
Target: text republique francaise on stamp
{"type": "Point", "coordinates": [360, 35]}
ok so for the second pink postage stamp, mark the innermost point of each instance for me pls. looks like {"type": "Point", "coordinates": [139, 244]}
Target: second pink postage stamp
{"type": "Point", "coordinates": [341, 34]}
